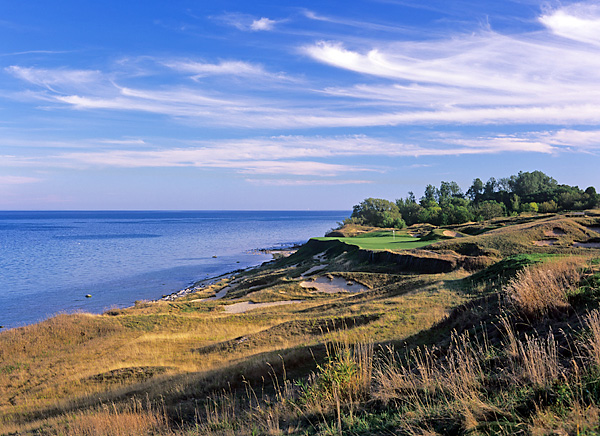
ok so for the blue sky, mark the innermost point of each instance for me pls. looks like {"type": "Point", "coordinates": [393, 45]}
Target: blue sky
{"type": "Point", "coordinates": [289, 105]}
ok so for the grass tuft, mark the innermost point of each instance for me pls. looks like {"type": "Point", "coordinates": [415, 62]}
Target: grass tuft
{"type": "Point", "coordinates": [540, 290]}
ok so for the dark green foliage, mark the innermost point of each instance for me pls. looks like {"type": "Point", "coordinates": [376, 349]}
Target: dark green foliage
{"type": "Point", "coordinates": [490, 209]}
{"type": "Point", "coordinates": [533, 183]}
{"type": "Point", "coordinates": [531, 192]}
{"type": "Point", "coordinates": [378, 212]}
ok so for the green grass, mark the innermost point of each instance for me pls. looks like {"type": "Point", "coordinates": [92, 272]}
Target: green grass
{"type": "Point", "coordinates": [383, 240]}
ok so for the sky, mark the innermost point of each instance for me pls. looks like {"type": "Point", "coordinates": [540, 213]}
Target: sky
{"type": "Point", "coordinates": [277, 105]}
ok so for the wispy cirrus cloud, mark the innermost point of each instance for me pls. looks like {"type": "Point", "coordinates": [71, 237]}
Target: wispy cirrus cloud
{"type": "Point", "coordinates": [484, 78]}
{"type": "Point", "coordinates": [49, 78]}
{"type": "Point", "coordinates": [481, 77]}
{"type": "Point", "coordinates": [18, 180]}
{"type": "Point", "coordinates": [578, 140]}
{"type": "Point", "coordinates": [199, 70]}
{"type": "Point", "coordinates": [360, 24]}
{"type": "Point", "coordinates": [302, 155]}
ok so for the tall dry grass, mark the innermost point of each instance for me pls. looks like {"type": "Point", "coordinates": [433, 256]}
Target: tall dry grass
{"type": "Point", "coordinates": [592, 344]}
{"type": "Point", "coordinates": [541, 289]}
{"type": "Point", "coordinates": [132, 420]}
{"type": "Point", "coordinates": [429, 379]}
{"type": "Point", "coordinates": [539, 360]}
{"type": "Point", "coordinates": [533, 359]}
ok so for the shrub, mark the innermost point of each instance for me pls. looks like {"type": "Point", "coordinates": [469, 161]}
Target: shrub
{"type": "Point", "coordinates": [345, 377]}
{"type": "Point", "coordinates": [541, 289]}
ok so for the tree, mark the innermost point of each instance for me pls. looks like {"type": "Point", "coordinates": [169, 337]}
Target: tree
{"type": "Point", "coordinates": [378, 212]}
{"type": "Point", "coordinates": [474, 192]}
{"type": "Point", "coordinates": [490, 209]}
{"type": "Point", "coordinates": [409, 209]}
{"type": "Point", "coordinates": [490, 188]}
{"type": "Point", "coordinates": [592, 198]}
{"type": "Point", "coordinates": [507, 183]}
{"type": "Point", "coordinates": [429, 196]}
{"type": "Point", "coordinates": [527, 183]}
{"type": "Point", "coordinates": [448, 191]}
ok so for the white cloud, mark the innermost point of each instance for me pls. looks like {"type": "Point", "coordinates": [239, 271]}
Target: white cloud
{"type": "Point", "coordinates": [224, 68]}
{"type": "Point", "coordinates": [200, 69]}
{"type": "Point", "coordinates": [304, 155]}
{"type": "Point", "coordinates": [576, 139]}
{"type": "Point", "coordinates": [52, 77]}
{"type": "Point", "coordinates": [248, 23]}
{"type": "Point", "coordinates": [263, 24]}
{"type": "Point", "coordinates": [360, 24]}
{"type": "Point", "coordinates": [580, 22]}
{"type": "Point", "coordinates": [478, 79]}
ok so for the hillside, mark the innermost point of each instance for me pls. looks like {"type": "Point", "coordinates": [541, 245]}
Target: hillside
{"type": "Point", "coordinates": [479, 328]}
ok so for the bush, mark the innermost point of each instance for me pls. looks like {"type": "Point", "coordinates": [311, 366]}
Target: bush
{"type": "Point", "coordinates": [541, 289]}
{"type": "Point", "coordinates": [344, 378]}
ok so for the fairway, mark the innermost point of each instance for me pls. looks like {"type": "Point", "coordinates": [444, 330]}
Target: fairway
{"type": "Point", "coordinates": [383, 240]}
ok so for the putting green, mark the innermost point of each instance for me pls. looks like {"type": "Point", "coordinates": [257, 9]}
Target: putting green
{"type": "Point", "coordinates": [383, 240]}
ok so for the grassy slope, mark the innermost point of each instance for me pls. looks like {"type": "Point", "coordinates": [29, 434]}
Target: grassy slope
{"type": "Point", "coordinates": [168, 362]}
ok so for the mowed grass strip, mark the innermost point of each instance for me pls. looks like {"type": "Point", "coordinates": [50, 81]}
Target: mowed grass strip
{"type": "Point", "coordinates": [383, 240]}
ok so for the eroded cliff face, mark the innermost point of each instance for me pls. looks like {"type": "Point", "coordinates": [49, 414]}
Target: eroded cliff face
{"type": "Point", "coordinates": [419, 261]}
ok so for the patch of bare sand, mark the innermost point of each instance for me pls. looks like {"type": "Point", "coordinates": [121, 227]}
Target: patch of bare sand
{"type": "Point", "coordinates": [333, 285]}
{"type": "Point", "coordinates": [313, 270]}
{"type": "Point", "coordinates": [452, 234]}
{"type": "Point", "coordinates": [320, 257]}
{"type": "Point", "coordinates": [245, 306]}
{"type": "Point", "coordinates": [544, 242]}
{"type": "Point", "coordinates": [555, 232]}
{"type": "Point", "coordinates": [595, 229]}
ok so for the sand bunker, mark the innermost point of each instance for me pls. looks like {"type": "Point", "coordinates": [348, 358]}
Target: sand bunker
{"type": "Point", "coordinates": [314, 269]}
{"type": "Point", "coordinates": [544, 242]}
{"type": "Point", "coordinates": [245, 306]}
{"type": "Point", "coordinates": [555, 232]}
{"type": "Point", "coordinates": [595, 229]}
{"type": "Point", "coordinates": [333, 285]}
{"type": "Point", "coordinates": [587, 244]}
{"type": "Point", "coordinates": [452, 234]}
{"type": "Point", "coordinates": [220, 294]}
{"type": "Point", "coordinates": [320, 257]}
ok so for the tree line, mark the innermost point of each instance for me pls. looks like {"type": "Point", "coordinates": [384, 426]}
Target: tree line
{"type": "Point", "coordinates": [448, 204]}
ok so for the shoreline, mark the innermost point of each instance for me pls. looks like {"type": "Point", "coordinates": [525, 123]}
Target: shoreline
{"type": "Point", "coordinates": [196, 286]}
{"type": "Point", "coordinates": [202, 284]}
{"type": "Point", "coordinates": [105, 256]}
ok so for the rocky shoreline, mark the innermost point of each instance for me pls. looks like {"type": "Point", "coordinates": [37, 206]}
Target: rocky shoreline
{"type": "Point", "coordinates": [200, 285]}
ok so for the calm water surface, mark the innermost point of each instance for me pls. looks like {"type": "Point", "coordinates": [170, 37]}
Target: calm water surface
{"type": "Point", "coordinates": [49, 261]}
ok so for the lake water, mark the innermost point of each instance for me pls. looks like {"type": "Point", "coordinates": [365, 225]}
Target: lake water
{"type": "Point", "coordinates": [49, 261]}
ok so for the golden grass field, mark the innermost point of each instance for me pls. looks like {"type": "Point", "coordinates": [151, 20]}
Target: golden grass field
{"type": "Point", "coordinates": [417, 348]}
